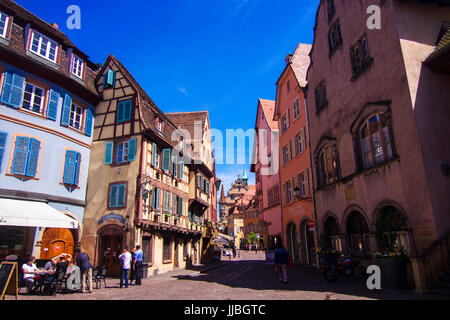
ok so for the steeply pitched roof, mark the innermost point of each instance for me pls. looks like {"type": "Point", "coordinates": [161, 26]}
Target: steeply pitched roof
{"type": "Point", "coordinates": [300, 63]}
{"type": "Point", "coordinates": [268, 107]}
{"type": "Point", "coordinates": [442, 47]}
{"type": "Point", "coordinates": [188, 120]}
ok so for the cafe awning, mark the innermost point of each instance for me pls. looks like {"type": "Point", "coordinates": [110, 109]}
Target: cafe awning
{"type": "Point", "coordinates": [224, 236]}
{"type": "Point", "coordinates": [23, 213]}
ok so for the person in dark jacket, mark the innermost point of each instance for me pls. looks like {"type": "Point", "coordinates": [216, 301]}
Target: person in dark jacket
{"type": "Point", "coordinates": [281, 261]}
{"type": "Point", "coordinates": [84, 263]}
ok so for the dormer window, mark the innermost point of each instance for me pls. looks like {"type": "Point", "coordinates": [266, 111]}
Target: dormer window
{"type": "Point", "coordinates": [43, 46]}
{"type": "Point", "coordinates": [4, 19]}
{"type": "Point", "coordinates": [158, 124]}
{"type": "Point", "coordinates": [77, 66]}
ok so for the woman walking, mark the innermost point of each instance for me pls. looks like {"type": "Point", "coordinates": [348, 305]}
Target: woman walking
{"type": "Point", "coordinates": [281, 261]}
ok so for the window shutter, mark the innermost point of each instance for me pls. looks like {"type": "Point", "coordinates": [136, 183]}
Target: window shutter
{"type": "Point", "coordinates": [120, 109]}
{"type": "Point", "coordinates": [121, 194]}
{"type": "Point", "coordinates": [66, 110]}
{"type": "Point", "coordinates": [132, 149]}
{"type": "Point", "coordinates": [70, 167]}
{"type": "Point", "coordinates": [154, 151]}
{"type": "Point", "coordinates": [158, 198]}
{"type": "Point", "coordinates": [7, 86]}
{"type": "Point", "coordinates": [288, 119]}
{"type": "Point", "coordinates": [152, 198]}
{"type": "Point", "coordinates": [166, 159]}
{"type": "Point", "coordinates": [17, 87]}
{"type": "Point", "coordinates": [89, 122]}
{"type": "Point", "coordinates": [110, 78]}
{"type": "Point", "coordinates": [174, 165]}
{"type": "Point", "coordinates": [52, 106]}
{"type": "Point", "coordinates": [181, 172]}
{"type": "Point", "coordinates": [108, 152]}
{"type": "Point", "coordinates": [3, 136]}
{"type": "Point", "coordinates": [127, 110]}
{"type": "Point", "coordinates": [180, 206]}
{"type": "Point", "coordinates": [174, 203]}
{"type": "Point", "coordinates": [33, 157]}
{"type": "Point", "coordinates": [20, 155]}
{"type": "Point", "coordinates": [113, 195]}
{"type": "Point", "coordinates": [76, 177]}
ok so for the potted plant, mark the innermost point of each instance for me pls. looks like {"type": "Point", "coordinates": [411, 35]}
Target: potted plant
{"type": "Point", "coordinates": [327, 254]}
{"type": "Point", "coordinates": [391, 258]}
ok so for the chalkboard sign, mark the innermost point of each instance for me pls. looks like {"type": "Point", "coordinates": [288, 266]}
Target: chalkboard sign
{"type": "Point", "coordinates": [8, 279]}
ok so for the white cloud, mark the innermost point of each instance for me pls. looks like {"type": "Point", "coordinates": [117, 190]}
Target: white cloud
{"type": "Point", "coordinates": [182, 90]}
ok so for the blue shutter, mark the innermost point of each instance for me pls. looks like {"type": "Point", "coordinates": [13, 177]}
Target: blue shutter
{"type": "Point", "coordinates": [108, 152]}
{"type": "Point", "coordinates": [52, 106]}
{"type": "Point", "coordinates": [113, 195]}
{"type": "Point", "coordinates": [121, 194]}
{"type": "Point", "coordinates": [166, 159]}
{"type": "Point", "coordinates": [120, 110]}
{"type": "Point", "coordinates": [154, 151]}
{"type": "Point", "coordinates": [70, 167]}
{"type": "Point", "coordinates": [17, 87]}
{"type": "Point", "coordinates": [181, 171]}
{"type": "Point", "coordinates": [66, 110]}
{"type": "Point", "coordinates": [7, 85]}
{"type": "Point", "coordinates": [3, 136]}
{"type": "Point", "coordinates": [33, 157]}
{"type": "Point", "coordinates": [127, 110]}
{"type": "Point", "coordinates": [76, 177]}
{"type": "Point", "coordinates": [132, 149]}
{"type": "Point", "coordinates": [88, 123]}
{"type": "Point", "coordinates": [20, 156]}
{"type": "Point", "coordinates": [110, 78]}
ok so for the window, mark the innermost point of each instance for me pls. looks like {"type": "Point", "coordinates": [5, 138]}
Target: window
{"type": "Point", "coordinates": [286, 153]}
{"type": "Point", "coordinates": [296, 107]}
{"type": "Point", "coordinates": [33, 98]}
{"type": "Point", "coordinates": [147, 249]}
{"type": "Point", "coordinates": [285, 122]}
{"type": "Point", "coordinates": [124, 111]}
{"type": "Point", "coordinates": [158, 124]}
{"type": "Point", "coordinates": [155, 156]}
{"type": "Point", "coordinates": [288, 86]}
{"type": "Point", "coordinates": [43, 46]}
{"type": "Point", "coordinates": [167, 249]}
{"type": "Point", "coordinates": [125, 151]}
{"type": "Point", "coordinates": [185, 250]}
{"type": "Point", "coordinates": [327, 166]}
{"type": "Point", "coordinates": [3, 24]}
{"type": "Point", "coordinates": [109, 80]}
{"type": "Point", "coordinates": [26, 156]}
{"type": "Point", "coordinates": [165, 164]}
{"type": "Point", "coordinates": [166, 201]}
{"type": "Point", "coordinates": [321, 96]}
{"type": "Point", "coordinates": [3, 136]}
{"type": "Point", "coordinates": [334, 37]}
{"type": "Point", "coordinates": [77, 66]}
{"type": "Point", "coordinates": [288, 192]}
{"type": "Point", "coordinates": [117, 195]}
{"type": "Point", "coordinates": [76, 116]}
{"type": "Point", "coordinates": [155, 199]}
{"type": "Point", "coordinates": [360, 57]}
{"type": "Point", "coordinates": [303, 183]}
{"type": "Point", "coordinates": [72, 167]}
{"type": "Point", "coordinates": [376, 140]}
{"type": "Point", "coordinates": [300, 143]}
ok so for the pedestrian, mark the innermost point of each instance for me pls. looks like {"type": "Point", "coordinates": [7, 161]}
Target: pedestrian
{"type": "Point", "coordinates": [138, 265]}
{"type": "Point", "coordinates": [84, 263]}
{"type": "Point", "coordinates": [234, 251]}
{"type": "Point", "coordinates": [29, 270]}
{"type": "Point", "coordinates": [125, 262]}
{"type": "Point", "coordinates": [132, 269]}
{"type": "Point", "coordinates": [281, 261]}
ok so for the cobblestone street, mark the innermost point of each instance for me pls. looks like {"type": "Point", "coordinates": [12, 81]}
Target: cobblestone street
{"type": "Point", "coordinates": [244, 278]}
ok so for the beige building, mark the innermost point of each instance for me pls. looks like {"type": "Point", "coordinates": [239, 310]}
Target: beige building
{"type": "Point", "coordinates": [139, 180]}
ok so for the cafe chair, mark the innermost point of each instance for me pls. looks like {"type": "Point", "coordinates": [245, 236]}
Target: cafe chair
{"type": "Point", "coordinates": [101, 275]}
{"type": "Point", "coordinates": [95, 276]}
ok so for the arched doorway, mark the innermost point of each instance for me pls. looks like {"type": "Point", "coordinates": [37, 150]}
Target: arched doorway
{"type": "Point", "coordinates": [110, 246]}
{"type": "Point", "coordinates": [358, 234]}
{"type": "Point", "coordinates": [292, 244]}
{"type": "Point", "coordinates": [56, 241]}
{"type": "Point", "coordinates": [331, 231]}
{"type": "Point", "coordinates": [307, 244]}
{"type": "Point", "coordinates": [390, 220]}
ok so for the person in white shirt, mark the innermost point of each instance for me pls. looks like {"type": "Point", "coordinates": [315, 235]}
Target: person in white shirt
{"type": "Point", "coordinates": [29, 271]}
{"type": "Point", "coordinates": [125, 263]}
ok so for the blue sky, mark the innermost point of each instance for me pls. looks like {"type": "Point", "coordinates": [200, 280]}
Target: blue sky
{"type": "Point", "coordinates": [189, 55]}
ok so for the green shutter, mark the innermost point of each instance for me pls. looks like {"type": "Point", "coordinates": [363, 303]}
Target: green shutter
{"type": "Point", "coordinates": [113, 195]}
{"type": "Point", "coordinates": [166, 159]}
{"type": "Point", "coordinates": [108, 152]}
{"type": "Point", "coordinates": [180, 206]}
{"type": "Point", "coordinates": [132, 149]}
{"type": "Point", "coordinates": [181, 171]}
{"type": "Point", "coordinates": [154, 150]}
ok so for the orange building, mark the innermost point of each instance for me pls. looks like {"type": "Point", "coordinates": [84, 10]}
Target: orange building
{"type": "Point", "coordinates": [295, 165]}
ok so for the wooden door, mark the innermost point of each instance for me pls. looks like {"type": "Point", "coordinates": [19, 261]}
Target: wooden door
{"type": "Point", "coordinates": [175, 252]}
{"type": "Point", "coordinates": [56, 241]}
{"type": "Point", "coordinates": [110, 249]}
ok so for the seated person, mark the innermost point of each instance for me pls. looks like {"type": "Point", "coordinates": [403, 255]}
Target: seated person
{"type": "Point", "coordinates": [50, 267]}
{"type": "Point", "coordinates": [61, 262]}
{"type": "Point", "coordinates": [29, 271]}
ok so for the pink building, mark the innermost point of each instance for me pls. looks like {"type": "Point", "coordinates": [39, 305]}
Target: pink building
{"type": "Point", "coordinates": [266, 171]}
{"type": "Point", "coordinates": [378, 109]}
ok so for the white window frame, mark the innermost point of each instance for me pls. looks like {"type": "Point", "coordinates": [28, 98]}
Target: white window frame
{"type": "Point", "coordinates": [43, 39]}
{"type": "Point", "coordinates": [41, 107]}
{"type": "Point", "coordinates": [77, 65]}
{"type": "Point", "coordinates": [296, 108]}
{"type": "Point", "coordinates": [125, 152]}
{"type": "Point", "coordinates": [5, 30]}
{"type": "Point", "coordinates": [72, 119]}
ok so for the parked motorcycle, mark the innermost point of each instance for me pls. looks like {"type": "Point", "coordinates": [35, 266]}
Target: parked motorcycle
{"type": "Point", "coordinates": [346, 265]}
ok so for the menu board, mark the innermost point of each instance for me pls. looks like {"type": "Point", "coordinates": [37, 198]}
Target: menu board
{"type": "Point", "coordinates": [8, 279]}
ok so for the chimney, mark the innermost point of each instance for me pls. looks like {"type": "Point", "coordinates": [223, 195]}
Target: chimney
{"type": "Point", "coordinates": [288, 58]}
{"type": "Point", "coordinates": [54, 25]}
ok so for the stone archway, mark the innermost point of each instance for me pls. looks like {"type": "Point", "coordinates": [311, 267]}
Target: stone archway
{"type": "Point", "coordinates": [358, 234]}
{"type": "Point", "coordinates": [390, 218]}
{"type": "Point", "coordinates": [308, 255]}
{"type": "Point", "coordinates": [110, 245]}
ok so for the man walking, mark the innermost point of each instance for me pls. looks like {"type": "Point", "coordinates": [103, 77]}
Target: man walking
{"type": "Point", "coordinates": [84, 263]}
{"type": "Point", "coordinates": [281, 260]}
{"type": "Point", "coordinates": [138, 265]}
{"type": "Point", "coordinates": [125, 262]}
